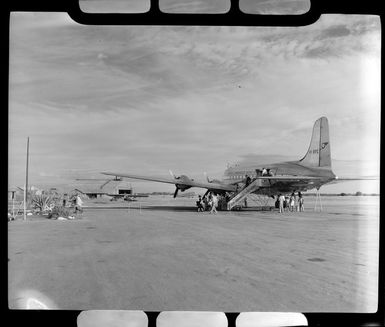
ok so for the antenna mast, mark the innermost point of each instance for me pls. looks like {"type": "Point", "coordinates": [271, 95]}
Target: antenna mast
{"type": "Point", "coordinates": [26, 182]}
{"type": "Point", "coordinates": [26, 169]}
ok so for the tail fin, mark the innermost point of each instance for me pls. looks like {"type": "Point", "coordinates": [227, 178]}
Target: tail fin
{"type": "Point", "coordinates": [318, 154]}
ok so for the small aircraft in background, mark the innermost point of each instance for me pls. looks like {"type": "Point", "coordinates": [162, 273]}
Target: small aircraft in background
{"type": "Point", "coordinates": [310, 172]}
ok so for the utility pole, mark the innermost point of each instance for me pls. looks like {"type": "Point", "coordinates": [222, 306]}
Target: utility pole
{"type": "Point", "coordinates": [24, 204]}
{"type": "Point", "coordinates": [13, 205]}
{"type": "Point", "coordinates": [26, 182]}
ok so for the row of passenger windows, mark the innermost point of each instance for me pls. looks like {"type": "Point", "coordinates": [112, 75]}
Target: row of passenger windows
{"type": "Point", "coordinates": [242, 176]}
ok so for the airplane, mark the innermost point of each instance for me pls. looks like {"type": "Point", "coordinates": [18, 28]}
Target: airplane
{"type": "Point", "coordinates": [311, 171]}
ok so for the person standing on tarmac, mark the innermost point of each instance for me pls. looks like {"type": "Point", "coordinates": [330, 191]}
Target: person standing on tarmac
{"type": "Point", "coordinates": [300, 202]}
{"type": "Point", "coordinates": [200, 204]}
{"type": "Point", "coordinates": [281, 199]}
{"type": "Point", "coordinates": [210, 202]}
{"type": "Point", "coordinates": [292, 202]}
{"type": "Point", "coordinates": [286, 205]}
{"type": "Point", "coordinates": [214, 205]}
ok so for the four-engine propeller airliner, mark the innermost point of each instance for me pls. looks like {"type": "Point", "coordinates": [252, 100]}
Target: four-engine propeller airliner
{"type": "Point", "coordinates": [312, 171]}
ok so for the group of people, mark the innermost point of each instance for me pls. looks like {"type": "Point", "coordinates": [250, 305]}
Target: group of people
{"type": "Point", "coordinates": [292, 203]}
{"type": "Point", "coordinates": [264, 172]}
{"type": "Point", "coordinates": [258, 172]}
{"type": "Point", "coordinates": [209, 202]}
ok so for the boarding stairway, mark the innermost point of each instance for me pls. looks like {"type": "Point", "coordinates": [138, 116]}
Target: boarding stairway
{"type": "Point", "coordinates": [241, 195]}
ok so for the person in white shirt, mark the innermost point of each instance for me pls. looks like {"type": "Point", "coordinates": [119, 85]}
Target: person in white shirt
{"type": "Point", "coordinates": [79, 204]}
{"type": "Point", "coordinates": [300, 202]}
{"type": "Point", "coordinates": [281, 199]}
{"type": "Point", "coordinates": [292, 202]}
{"type": "Point", "coordinates": [264, 171]}
{"type": "Point", "coordinates": [214, 200]}
{"type": "Point", "coordinates": [286, 205]}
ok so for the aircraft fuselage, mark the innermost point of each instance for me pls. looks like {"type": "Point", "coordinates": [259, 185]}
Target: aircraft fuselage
{"type": "Point", "coordinates": [237, 174]}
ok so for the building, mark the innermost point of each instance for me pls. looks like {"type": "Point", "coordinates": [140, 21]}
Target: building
{"type": "Point", "coordinates": [110, 188]}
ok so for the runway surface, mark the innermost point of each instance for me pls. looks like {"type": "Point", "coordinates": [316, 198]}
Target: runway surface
{"type": "Point", "coordinates": [162, 255]}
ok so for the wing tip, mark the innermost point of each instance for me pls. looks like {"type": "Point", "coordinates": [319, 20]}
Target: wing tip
{"type": "Point", "coordinates": [109, 173]}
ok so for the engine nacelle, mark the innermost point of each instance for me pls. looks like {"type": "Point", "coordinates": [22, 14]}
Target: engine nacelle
{"type": "Point", "coordinates": [181, 180]}
{"type": "Point", "coordinates": [181, 184]}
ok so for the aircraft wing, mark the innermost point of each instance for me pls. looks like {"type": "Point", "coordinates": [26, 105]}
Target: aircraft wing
{"type": "Point", "coordinates": [347, 179]}
{"type": "Point", "coordinates": [127, 195]}
{"type": "Point", "coordinates": [366, 178]}
{"type": "Point", "coordinates": [182, 182]}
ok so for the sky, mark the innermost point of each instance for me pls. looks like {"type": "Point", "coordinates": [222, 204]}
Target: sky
{"type": "Point", "coordinates": [275, 7]}
{"type": "Point", "coordinates": [191, 99]}
{"type": "Point", "coordinates": [115, 6]}
{"type": "Point", "coordinates": [197, 6]}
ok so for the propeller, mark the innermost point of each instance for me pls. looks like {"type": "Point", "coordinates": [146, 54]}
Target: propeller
{"type": "Point", "coordinates": [177, 188]}
{"type": "Point", "coordinates": [176, 191]}
{"type": "Point", "coordinates": [180, 185]}
{"type": "Point", "coordinates": [208, 180]}
{"type": "Point", "coordinates": [172, 174]}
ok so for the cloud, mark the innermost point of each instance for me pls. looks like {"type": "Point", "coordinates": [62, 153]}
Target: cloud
{"type": "Point", "coordinates": [317, 52]}
{"type": "Point", "coordinates": [120, 67]}
{"type": "Point", "coordinates": [114, 6]}
{"type": "Point", "coordinates": [334, 31]}
{"type": "Point", "coordinates": [275, 7]}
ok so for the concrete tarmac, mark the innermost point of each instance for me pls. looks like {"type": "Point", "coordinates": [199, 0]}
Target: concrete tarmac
{"type": "Point", "coordinates": [156, 256]}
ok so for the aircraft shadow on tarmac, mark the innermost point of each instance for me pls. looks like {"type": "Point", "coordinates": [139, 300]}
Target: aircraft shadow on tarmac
{"type": "Point", "coordinates": [165, 208]}
{"type": "Point", "coordinates": [191, 209]}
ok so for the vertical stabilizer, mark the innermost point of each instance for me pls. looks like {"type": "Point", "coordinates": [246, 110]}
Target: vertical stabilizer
{"type": "Point", "coordinates": [318, 154]}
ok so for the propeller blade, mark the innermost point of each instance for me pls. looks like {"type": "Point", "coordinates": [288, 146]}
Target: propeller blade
{"type": "Point", "coordinates": [171, 173]}
{"type": "Point", "coordinates": [208, 180]}
{"type": "Point", "coordinates": [176, 192]}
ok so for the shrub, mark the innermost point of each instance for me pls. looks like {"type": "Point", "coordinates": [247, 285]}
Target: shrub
{"type": "Point", "coordinates": [42, 202]}
{"type": "Point", "coordinates": [59, 211]}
